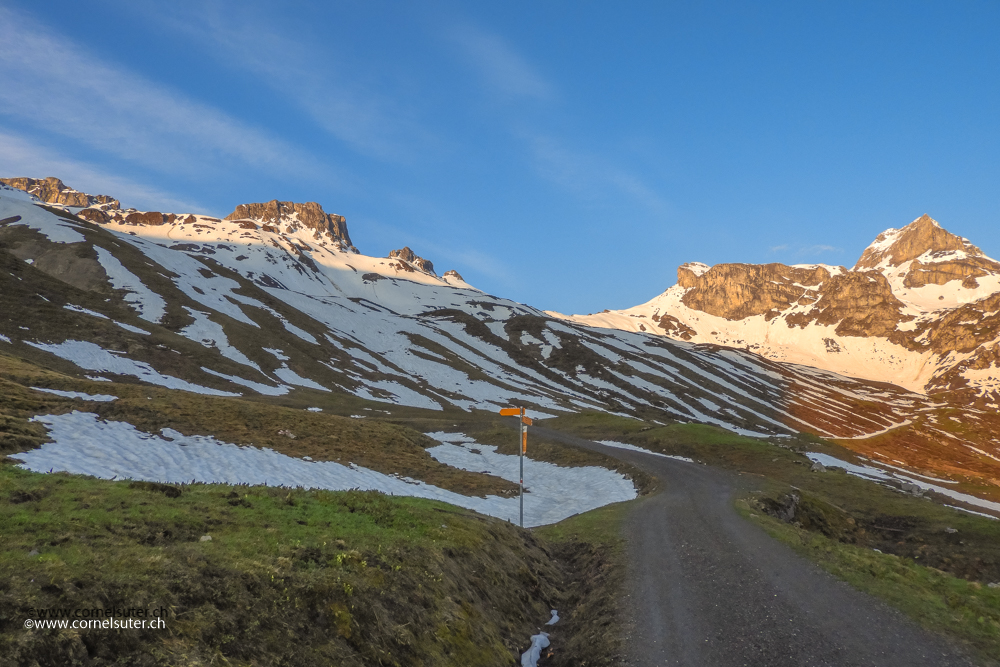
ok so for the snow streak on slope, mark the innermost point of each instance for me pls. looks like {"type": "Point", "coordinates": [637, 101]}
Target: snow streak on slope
{"type": "Point", "coordinates": [147, 303]}
{"type": "Point", "coordinates": [93, 358]}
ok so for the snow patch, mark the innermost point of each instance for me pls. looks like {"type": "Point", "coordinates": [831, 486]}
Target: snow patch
{"type": "Point", "coordinates": [625, 445]}
{"type": "Point", "coordinates": [291, 377]}
{"type": "Point", "coordinates": [103, 398]}
{"type": "Point", "coordinates": [148, 304]}
{"type": "Point", "coordinates": [552, 493]}
{"type": "Point", "coordinates": [263, 389]}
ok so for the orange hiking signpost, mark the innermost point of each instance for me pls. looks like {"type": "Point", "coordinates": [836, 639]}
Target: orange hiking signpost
{"type": "Point", "coordinates": [525, 423]}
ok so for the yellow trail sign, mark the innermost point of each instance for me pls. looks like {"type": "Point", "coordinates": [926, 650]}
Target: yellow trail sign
{"type": "Point", "coordinates": [525, 423]}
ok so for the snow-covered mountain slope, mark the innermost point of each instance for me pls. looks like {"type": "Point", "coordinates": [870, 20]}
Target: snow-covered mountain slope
{"type": "Point", "coordinates": [275, 301]}
{"type": "Point", "coordinates": [281, 307]}
{"type": "Point", "coordinates": [921, 309]}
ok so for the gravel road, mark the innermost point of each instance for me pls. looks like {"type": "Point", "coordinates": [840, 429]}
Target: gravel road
{"type": "Point", "coordinates": [710, 589]}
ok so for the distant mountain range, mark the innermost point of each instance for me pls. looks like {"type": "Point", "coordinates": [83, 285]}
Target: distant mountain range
{"type": "Point", "coordinates": [893, 358]}
{"type": "Point", "coordinates": [920, 309]}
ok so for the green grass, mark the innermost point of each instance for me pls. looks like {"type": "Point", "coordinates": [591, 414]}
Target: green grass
{"type": "Point", "coordinates": [937, 600]}
{"type": "Point", "coordinates": [355, 578]}
{"type": "Point", "coordinates": [374, 444]}
{"type": "Point", "coordinates": [289, 577]}
{"type": "Point", "coordinates": [601, 526]}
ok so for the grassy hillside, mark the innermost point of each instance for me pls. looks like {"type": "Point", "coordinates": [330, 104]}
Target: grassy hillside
{"type": "Point", "coordinates": [288, 577]}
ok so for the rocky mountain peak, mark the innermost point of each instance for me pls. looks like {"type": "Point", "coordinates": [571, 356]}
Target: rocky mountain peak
{"type": "Point", "coordinates": [51, 190]}
{"type": "Point", "coordinates": [410, 261]}
{"type": "Point", "coordinates": [310, 214]}
{"type": "Point", "coordinates": [896, 246]}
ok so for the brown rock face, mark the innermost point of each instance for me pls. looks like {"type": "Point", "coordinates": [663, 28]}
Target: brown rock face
{"type": "Point", "coordinates": [454, 274]}
{"type": "Point", "coordinates": [95, 215]}
{"type": "Point", "coordinates": [409, 257]}
{"type": "Point", "coordinates": [674, 327]}
{"type": "Point", "coordinates": [309, 214]}
{"type": "Point", "coordinates": [941, 273]}
{"type": "Point", "coordinates": [736, 291]}
{"type": "Point", "coordinates": [968, 327]}
{"type": "Point", "coordinates": [862, 302]}
{"type": "Point", "coordinates": [147, 218]}
{"type": "Point", "coordinates": [912, 241]}
{"type": "Point", "coordinates": [54, 191]}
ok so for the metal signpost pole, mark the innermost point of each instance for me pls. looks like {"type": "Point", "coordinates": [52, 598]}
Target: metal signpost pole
{"type": "Point", "coordinates": [520, 447]}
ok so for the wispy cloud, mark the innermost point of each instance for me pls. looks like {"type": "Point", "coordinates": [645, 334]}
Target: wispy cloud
{"type": "Point", "coordinates": [779, 248]}
{"type": "Point", "coordinates": [49, 81]}
{"type": "Point", "coordinates": [312, 76]}
{"type": "Point", "coordinates": [591, 175]}
{"type": "Point", "coordinates": [503, 69]}
{"type": "Point", "coordinates": [21, 157]}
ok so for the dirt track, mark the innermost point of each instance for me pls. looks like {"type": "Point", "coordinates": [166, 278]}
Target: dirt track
{"type": "Point", "coordinates": [709, 589]}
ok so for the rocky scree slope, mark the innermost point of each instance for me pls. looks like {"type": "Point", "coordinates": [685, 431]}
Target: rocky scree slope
{"type": "Point", "coordinates": [275, 301]}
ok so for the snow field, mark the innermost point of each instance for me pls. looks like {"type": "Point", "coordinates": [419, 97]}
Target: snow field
{"type": "Point", "coordinates": [625, 445]}
{"type": "Point", "coordinates": [83, 444]}
{"type": "Point", "coordinates": [552, 492]}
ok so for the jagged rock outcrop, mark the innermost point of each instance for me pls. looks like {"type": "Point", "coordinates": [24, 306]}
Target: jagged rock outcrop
{"type": "Point", "coordinates": [965, 329]}
{"type": "Point", "coordinates": [410, 261]}
{"type": "Point", "coordinates": [454, 274]}
{"type": "Point", "coordinates": [53, 191]}
{"type": "Point", "coordinates": [672, 326]}
{"type": "Point", "coordinates": [310, 215]}
{"type": "Point", "coordinates": [859, 303]}
{"type": "Point", "coordinates": [737, 291]}
{"type": "Point", "coordinates": [941, 273]}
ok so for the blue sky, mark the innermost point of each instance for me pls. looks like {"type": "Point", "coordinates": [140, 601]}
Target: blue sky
{"type": "Point", "coordinates": [565, 154]}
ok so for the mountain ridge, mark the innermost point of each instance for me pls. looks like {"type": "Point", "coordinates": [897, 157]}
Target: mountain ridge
{"type": "Point", "coordinates": [918, 309]}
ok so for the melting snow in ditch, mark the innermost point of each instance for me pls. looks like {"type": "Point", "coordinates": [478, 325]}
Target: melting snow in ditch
{"type": "Point", "coordinates": [83, 444]}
